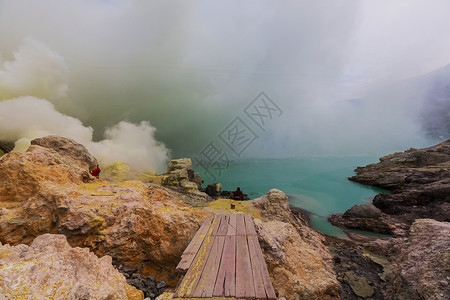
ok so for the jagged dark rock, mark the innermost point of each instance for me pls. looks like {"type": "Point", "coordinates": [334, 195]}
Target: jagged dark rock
{"type": "Point", "coordinates": [147, 284]}
{"type": "Point", "coordinates": [419, 185]}
{"type": "Point", "coordinates": [214, 190]}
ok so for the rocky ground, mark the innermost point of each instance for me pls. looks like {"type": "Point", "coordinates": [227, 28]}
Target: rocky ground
{"type": "Point", "coordinates": [143, 227]}
{"type": "Point", "coordinates": [56, 219]}
{"type": "Point", "coordinates": [419, 185]}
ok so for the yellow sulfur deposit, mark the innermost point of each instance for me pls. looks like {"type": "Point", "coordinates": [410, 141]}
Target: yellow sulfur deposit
{"type": "Point", "coordinates": [240, 207]}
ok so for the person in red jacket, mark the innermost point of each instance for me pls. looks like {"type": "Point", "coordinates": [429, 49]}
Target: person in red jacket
{"type": "Point", "coordinates": [96, 172]}
{"type": "Point", "coordinates": [238, 195]}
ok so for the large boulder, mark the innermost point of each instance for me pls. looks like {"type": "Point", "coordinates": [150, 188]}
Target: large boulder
{"type": "Point", "coordinates": [214, 190]}
{"type": "Point", "coordinates": [50, 269]}
{"type": "Point", "coordinates": [24, 175]}
{"type": "Point", "coordinates": [298, 271]}
{"type": "Point", "coordinates": [420, 265]}
{"type": "Point", "coordinates": [298, 262]}
{"type": "Point", "coordinates": [365, 217]}
{"type": "Point", "coordinates": [69, 149]}
{"type": "Point", "coordinates": [117, 171]}
{"type": "Point", "coordinates": [274, 206]}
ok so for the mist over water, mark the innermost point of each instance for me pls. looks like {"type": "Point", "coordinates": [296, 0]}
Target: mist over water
{"type": "Point", "coordinates": [133, 79]}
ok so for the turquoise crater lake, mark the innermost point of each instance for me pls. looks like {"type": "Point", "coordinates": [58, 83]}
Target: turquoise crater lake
{"type": "Point", "coordinates": [316, 184]}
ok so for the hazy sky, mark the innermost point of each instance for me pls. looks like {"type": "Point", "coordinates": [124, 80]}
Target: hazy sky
{"type": "Point", "coordinates": [190, 68]}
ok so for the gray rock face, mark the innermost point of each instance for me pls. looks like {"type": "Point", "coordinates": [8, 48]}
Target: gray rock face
{"type": "Point", "coordinates": [419, 181]}
{"type": "Point", "coordinates": [363, 211]}
{"type": "Point", "coordinates": [214, 190]}
{"type": "Point", "coordinates": [68, 148]}
{"type": "Point", "coordinates": [420, 269]}
{"type": "Point", "coordinates": [365, 217]}
{"type": "Point", "coordinates": [274, 206]}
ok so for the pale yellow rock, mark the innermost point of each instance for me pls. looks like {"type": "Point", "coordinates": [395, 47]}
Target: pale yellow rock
{"type": "Point", "coordinates": [22, 145]}
{"type": "Point", "coordinates": [297, 270]}
{"type": "Point", "coordinates": [50, 269]}
{"type": "Point", "coordinates": [118, 171]}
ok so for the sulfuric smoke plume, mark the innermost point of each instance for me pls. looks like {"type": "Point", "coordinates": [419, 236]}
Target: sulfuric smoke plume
{"type": "Point", "coordinates": [36, 82]}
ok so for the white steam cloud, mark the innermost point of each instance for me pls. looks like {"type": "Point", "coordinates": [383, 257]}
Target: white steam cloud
{"type": "Point", "coordinates": [35, 72]}
{"type": "Point", "coordinates": [191, 68]}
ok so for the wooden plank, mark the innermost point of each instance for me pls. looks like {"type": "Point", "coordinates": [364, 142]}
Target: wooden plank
{"type": "Point", "coordinates": [223, 228]}
{"type": "Point", "coordinates": [188, 256]}
{"type": "Point", "coordinates": [249, 225]}
{"type": "Point", "coordinates": [231, 225]}
{"type": "Point", "coordinates": [190, 280]}
{"type": "Point", "coordinates": [200, 233]}
{"type": "Point", "coordinates": [258, 283]}
{"type": "Point", "coordinates": [270, 292]}
{"type": "Point", "coordinates": [225, 285]}
{"type": "Point", "coordinates": [205, 286]}
{"type": "Point", "coordinates": [205, 226]}
{"type": "Point", "coordinates": [244, 276]}
{"type": "Point", "coordinates": [240, 224]}
{"type": "Point", "coordinates": [215, 224]}
{"type": "Point", "coordinates": [189, 253]}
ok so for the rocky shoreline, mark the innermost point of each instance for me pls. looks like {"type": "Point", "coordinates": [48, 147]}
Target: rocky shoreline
{"type": "Point", "coordinates": [419, 185]}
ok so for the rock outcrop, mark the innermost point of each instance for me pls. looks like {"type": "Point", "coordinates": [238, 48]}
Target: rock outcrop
{"type": "Point", "coordinates": [50, 269]}
{"type": "Point", "coordinates": [420, 263]}
{"type": "Point", "coordinates": [214, 190]}
{"type": "Point", "coordinates": [69, 149]}
{"type": "Point", "coordinates": [365, 217]}
{"type": "Point", "coordinates": [298, 262]}
{"type": "Point", "coordinates": [180, 176]}
{"type": "Point", "coordinates": [419, 181]}
{"type": "Point", "coordinates": [180, 173]}
{"type": "Point", "coordinates": [117, 171]}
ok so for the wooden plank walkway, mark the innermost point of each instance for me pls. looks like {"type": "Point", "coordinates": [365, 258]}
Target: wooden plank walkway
{"type": "Point", "coordinates": [224, 259]}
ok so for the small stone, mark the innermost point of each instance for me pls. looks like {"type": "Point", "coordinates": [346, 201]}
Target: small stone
{"type": "Point", "coordinates": [359, 284]}
{"type": "Point", "coordinates": [161, 285]}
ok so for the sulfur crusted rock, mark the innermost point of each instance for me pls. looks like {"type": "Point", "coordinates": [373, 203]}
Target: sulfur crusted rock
{"type": "Point", "coordinates": [298, 262]}
{"type": "Point", "coordinates": [118, 171]}
{"type": "Point", "coordinates": [23, 175]}
{"type": "Point", "coordinates": [50, 269]}
{"type": "Point", "coordinates": [139, 226]}
{"type": "Point", "coordinates": [297, 270]}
